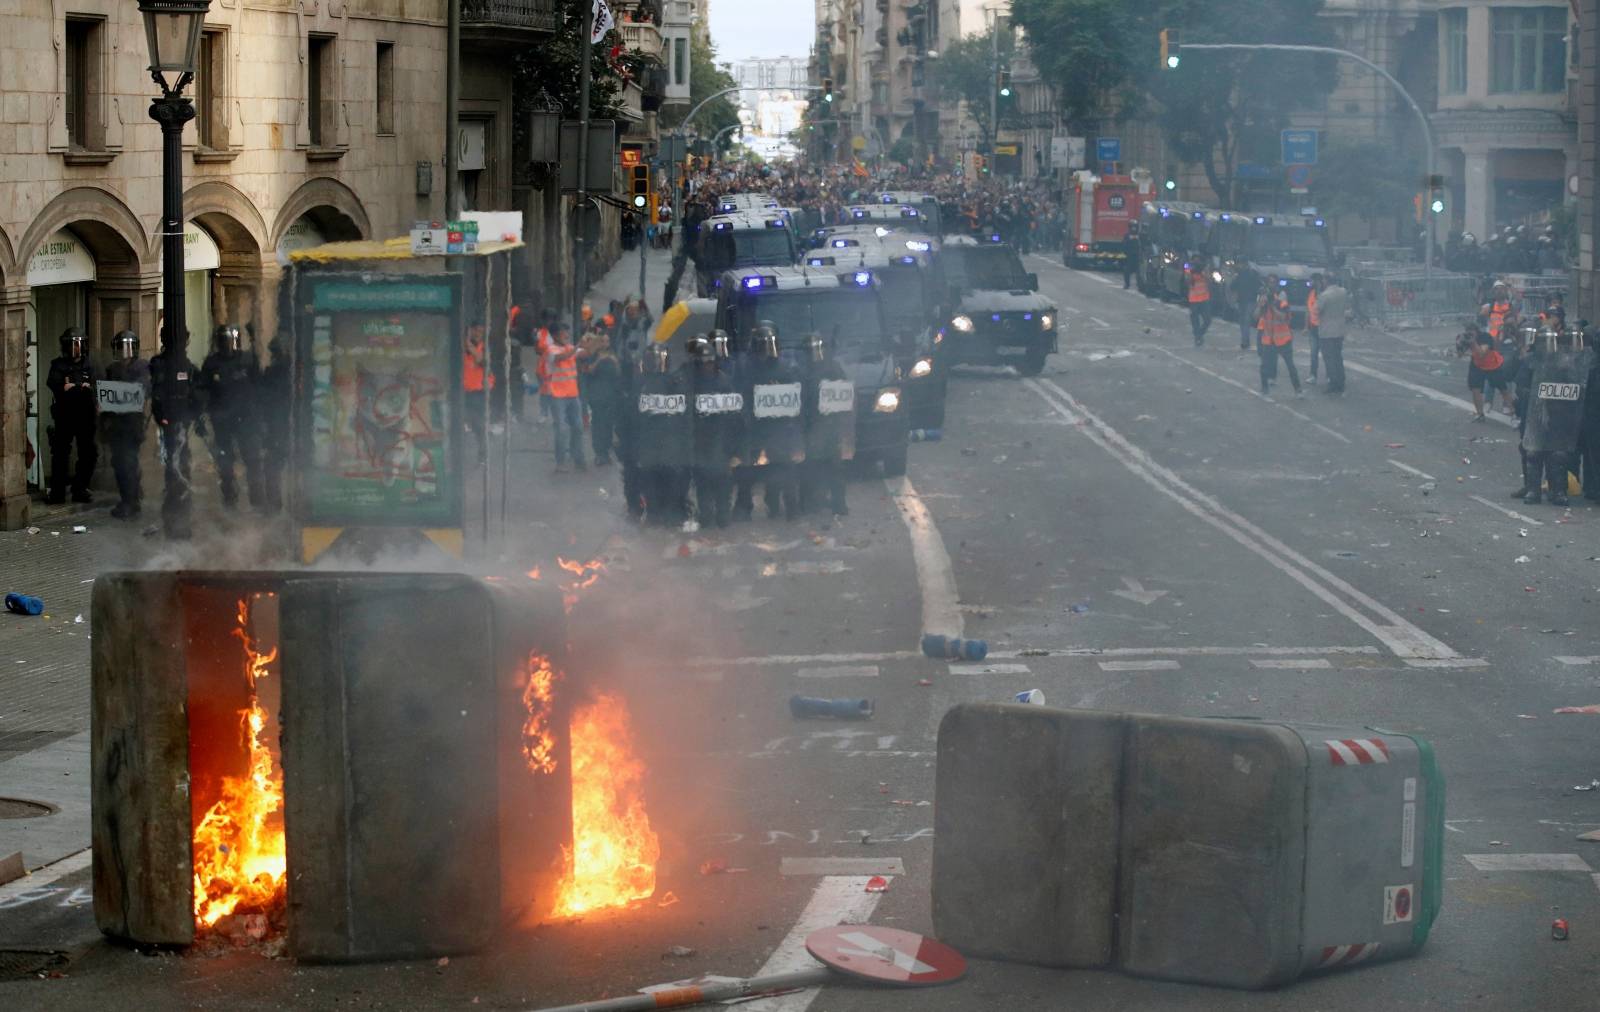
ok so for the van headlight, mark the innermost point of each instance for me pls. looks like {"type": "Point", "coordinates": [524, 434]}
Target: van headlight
{"type": "Point", "coordinates": [962, 323]}
{"type": "Point", "coordinates": [923, 367]}
{"type": "Point", "coordinates": [1046, 321]}
{"type": "Point", "coordinates": [888, 402]}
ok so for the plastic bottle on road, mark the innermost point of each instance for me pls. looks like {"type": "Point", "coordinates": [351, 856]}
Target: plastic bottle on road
{"type": "Point", "coordinates": [831, 709]}
{"type": "Point", "coordinates": [24, 604]}
{"type": "Point", "coordinates": [952, 648]}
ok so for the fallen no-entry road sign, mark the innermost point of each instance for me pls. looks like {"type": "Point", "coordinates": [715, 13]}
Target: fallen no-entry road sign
{"type": "Point", "coordinates": [887, 955]}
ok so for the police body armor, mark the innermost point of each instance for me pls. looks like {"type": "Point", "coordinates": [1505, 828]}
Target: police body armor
{"type": "Point", "coordinates": [830, 412]}
{"type": "Point", "coordinates": [775, 413]}
{"type": "Point", "coordinates": [665, 437]}
{"type": "Point", "coordinates": [1555, 415]}
{"type": "Point", "coordinates": [71, 410]}
{"type": "Point", "coordinates": [718, 420]}
{"type": "Point", "coordinates": [230, 380]}
{"type": "Point", "coordinates": [172, 387]}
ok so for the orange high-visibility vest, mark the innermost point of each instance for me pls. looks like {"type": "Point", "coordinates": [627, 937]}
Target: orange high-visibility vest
{"type": "Point", "coordinates": [1199, 288]}
{"type": "Point", "coordinates": [473, 374]}
{"type": "Point", "coordinates": [1312, 317]}
{"type": "Point", "coordinates": [1275, 328]}
{"type": "Point", "coordinates": [561, 368]}
{"type": "Point", "coordinates": [1497, 316]}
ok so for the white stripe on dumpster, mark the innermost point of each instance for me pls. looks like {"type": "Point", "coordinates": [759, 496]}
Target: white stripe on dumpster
{"type": "Point", "coordinates": [941, 611]}
{"type": "Point", "coordinates": [849, 671]}
{"type": "Point", "coordinates": [1346, 955]}
{"type": "Point", "coordinates": [837, 900]}
{"type": "Point", "coordinates": [1527, 862]}
{"type": "Point", "coordinates": [1357, 751]}
{"type": "Point", "coordinates": [1291, 663]}
{"type": "Point", "coordinates": [1403, 639]}
{"type": "Point", "coordinates": [1138, 665]}
{"type": "Point", "coordinates": [841, 866]}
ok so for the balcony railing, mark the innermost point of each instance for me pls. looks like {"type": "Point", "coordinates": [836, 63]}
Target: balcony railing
{"type": "Point", "coordinates": [538, 15]}
{"type": "Point", "coordinates": [641, 38]}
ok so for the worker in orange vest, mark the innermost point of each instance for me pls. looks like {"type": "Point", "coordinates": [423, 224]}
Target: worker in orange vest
{"type": "Point", "coordinates": [1498, 311]}
{"type": "Point", "coordinates": [1277, 336]}
{"type": "Point", "coordinates": [1199, 302]}
{"type": "Point", "coordinates": [477, 379]}
{"type": "Point", "coordinates": [1314, 325]}
{"type": "Point", "coordinates": [561, 366]}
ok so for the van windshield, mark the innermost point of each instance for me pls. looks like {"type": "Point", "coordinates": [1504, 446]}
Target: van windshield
{"type": "Point", "coordinates": [984, 267]}
{"type": "Point", "coordinates": [849, 317]}
{"type": "Point", "coordinates": [1288, 244]}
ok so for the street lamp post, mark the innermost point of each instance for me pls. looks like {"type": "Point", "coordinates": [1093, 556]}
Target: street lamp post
{"type": "Point", "coordinates": [172, 28]}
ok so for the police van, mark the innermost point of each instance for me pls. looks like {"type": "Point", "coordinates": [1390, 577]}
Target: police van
{"type": "Point", "coordinates": [843, 305]}
{"type": "Point", "coordinates": [926, 203]}
{"type": "Point", "coordinates": [745, 203]}
{"type": "Point", "coordinates": [990, 309]}
{"type": "Point", "coordinates": [730, 241]}
{"type": "Point", "coordinates": [1172, 233]}
{"type": "Point", "coordinates": [1293, 248]}
{"type": "Point", "coordinates": [902, 263]}
{"type": "Point", "coordinates": [889, 217]}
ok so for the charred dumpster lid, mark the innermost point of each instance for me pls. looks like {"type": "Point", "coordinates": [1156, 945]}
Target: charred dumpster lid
{"type": "Point", "coordinates": [398, 248]}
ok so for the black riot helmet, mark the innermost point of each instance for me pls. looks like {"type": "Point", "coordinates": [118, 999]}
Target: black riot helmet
{"type": "Point", "coordinates": [719, 343]}
{"type": "Point", "coordinates": [73, 342]}
{"type": "Point", "coordinates": [125, 346]}
{"type": "Point", "coordinates": [817, 347]}
{"type": "Point", "coordinates": [765, 340]}
{"type": "Point", "coordinates": [700, 349]}
{"type": "Point", "coordinates": [660, 358]}
{"type": "Point", "coordinates": [226, 338]}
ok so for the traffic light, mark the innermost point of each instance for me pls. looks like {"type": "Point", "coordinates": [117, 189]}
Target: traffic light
{"type": "Point", "coordinates": [1169, 49]}
{"type": "Point", "coordinates": [640, 185]}
{"type": "Point", "coordinates": [827, 89]}
{"type": "Point", "coordinates": [1004, 83]}
{"type": "Point", "coordinates": [1435, 194]}
{"type": "Point", "coordinates": [980, 164]}
{"type": "Point", "coordinates": [1171, 185]}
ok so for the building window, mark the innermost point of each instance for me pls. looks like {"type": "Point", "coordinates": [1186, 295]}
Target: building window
{"type": "Point", "coordinates": [83, 86]}
{"type": "Point", "coordinates": [1529, 50]}
{"type": "Point", "coordinates": [385, 87]}
{"type": "Point", "coordinates": [1455, 51]}
{"type": "Point", "coordinates": [320, 89]}
{"type": "Point", "coordinates": [680, 62]}
{"type": "Point", "coordinates": [210, 90]}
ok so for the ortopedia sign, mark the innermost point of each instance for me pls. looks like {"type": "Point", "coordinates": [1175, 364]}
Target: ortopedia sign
{"type": "Point", "coordinates": [887, 955]}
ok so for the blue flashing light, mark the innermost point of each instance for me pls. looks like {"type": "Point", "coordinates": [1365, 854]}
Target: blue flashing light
{"type": "Point", "coordinates": [1319, 223]}
{"type": "Point", "coordinates": [1199, 216]}
{"type": "Point", "coordinates": [1165, 213]}
{"type": "Point", "coordinates": [863, 278]}
{"type": "Point", "coordinates": [994, 238]}
{"type": "Point", "coordinates": [995, 317]}
{"type": "Point", "coordinates": [1027, 316]}
{"type": "Point", "coordinates": [1283, 284]}
{"type": "Point", "coordinates": [1226, 216]}
{"type": "Point", "coordinates": [919, 245]}
{"type": "Point", "coordinates": [723, 226]}
{"type": "Point", "coordinates": [858, 214]}
{"type": "Point", "coordinates": [907, 260]}
{"type": "Point", "coordinates": [840, 243]}
{"type": "Point", "coordinates": [888, 198]}
{"type": "Point", "coordinates": [910, 212]}
{"type": "Point", "coordinates": [751, 283]}
{"type": "Point", "coordinates": [775, 223]}
{"type": "Point", "coordinates": [1261, 220]}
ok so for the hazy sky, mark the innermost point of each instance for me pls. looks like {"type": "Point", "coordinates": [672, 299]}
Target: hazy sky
{"type": "Point", "coordinates": [744, 28]}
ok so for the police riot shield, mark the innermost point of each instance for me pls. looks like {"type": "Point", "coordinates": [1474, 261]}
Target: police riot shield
{"type": "Point", "coordinates": [1560, 379]}
{"type": "Point", "coordinates": [776, 425]}
{"type": "Point", "coordinates": [718, 421]}
{"type": "Point", "coordinates": [831, 417]}
{"type": "Point", "coordinates": [664, 436]}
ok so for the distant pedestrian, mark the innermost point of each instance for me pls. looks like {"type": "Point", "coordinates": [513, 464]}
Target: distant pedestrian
{"type": "Point", "coordinates": [1246, 290]}
{"type": "Point", "coordinates": [1130, 255]}
{"type": "Point", "coordinates": [1277, 336]}
{"type": "Point", "coordinates": [477, 379]}
{"type": "Point", "coordinates": [1199, 302]}
{"type": "Point", "coordinates": [1313, 318]}
{"type": "Point", "coordinates": [1333, 311]}
{"type": "Point", "coordinates": [561, 366]}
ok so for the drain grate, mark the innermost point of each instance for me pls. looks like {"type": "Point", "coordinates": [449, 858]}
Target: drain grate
{"type": "Point", "coordinates": [16, 964]}
{"type": "Point", "coordinates": [20, 808]}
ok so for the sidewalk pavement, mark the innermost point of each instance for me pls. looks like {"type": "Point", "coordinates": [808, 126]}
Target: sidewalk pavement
{"type": "Point", "coordinates": [44, 660]}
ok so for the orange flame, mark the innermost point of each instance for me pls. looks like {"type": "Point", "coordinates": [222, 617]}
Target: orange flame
{"type": "Point", "coordinates": [538, 743]}
{"type": "Point", "coordinates": [585, 575]}
{"type": "Point", "coordinates": [239, 855]}
{"type": "Point", "coordinates": [614, 853]}
{"type": "Point", "coordinates": [534, 573]}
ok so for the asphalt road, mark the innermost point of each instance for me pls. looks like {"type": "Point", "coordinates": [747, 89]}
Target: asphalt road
{"type": "Point", "coordinates": [1135, 530]}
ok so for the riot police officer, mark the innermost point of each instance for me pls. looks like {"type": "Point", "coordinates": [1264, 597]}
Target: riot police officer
{"type": "Point", "coordinates": [174, 405]}
{"type": "Point", "coordinates": [124, 429]}
{"type": "Point", "coordinates": [776, 446]}
{"type": "Point", "coordinates": [72, 411]}
{"type": "Point", "coordinates": [272, 403]}
{"type": "Point", "coordinates": [830, 401]}
{"type": "Point", "coordinates": [631, 362]}
{"type": "Point", "coordinates": [665, 439]}
{"type": "Point", "coordinates": [718, 429]}
{"type": "Point", "coordinates": [1555, 412]}
{"type": "Point", "coordinates": [228, 382]}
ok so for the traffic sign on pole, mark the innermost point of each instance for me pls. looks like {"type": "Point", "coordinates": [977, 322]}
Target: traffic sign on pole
{"type": "Point", "coordinates": [1108, 149]}
{"type": "Point", "coordinates": [887, 955]}
{"type": "Point", "coordinates": [1299, 177]}
{"type": "Point", "coordinates": [1299, 147]}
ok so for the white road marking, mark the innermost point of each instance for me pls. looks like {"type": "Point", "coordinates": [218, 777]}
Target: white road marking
{"type": "Point", "coordinates": [1071, 309]}
{"type": "Point", "coordinates": [1103, 325]}
{"type": "Point", "coordinates": [988, 669]}
{"type": "Point", "coordinates": [789, 660]}
{"type": "Point", "coordinates": [1401, 637]}
{"type": "Point", "coordinates": [839, 899]}
{"type": "Point", "coordinates": [841, 866]}
{"type": "Point", "coordinates": [1252, 391]}
{"type": "Point", "coordinates": [849, 671]}
{"type": "Point", "coordinates": [1428, 392]}
{"type": "Point", "coordinates": [1445, 662]}
{"type": "Point", "coordinates": [1577, 661]}
{"type": "Point", "coordinates": [1513, 514]}
{"type": "Point", "coordinates": [1100, 278]}
{"type": "Point", "coordinates": [48, 875]}
{"type": "Point", "coordinates": [1425, 476]}
{"type": "Point", "coordinates": [1528, 862]}
{"type": "Point", "coordinates": [1139, 665]}
{"type": "Point", "coordinates": [941, 611]}
{"type": "Point", "coordinates": [1292, 663]}
{"type": "Point", "coordinates": [1184, 651]}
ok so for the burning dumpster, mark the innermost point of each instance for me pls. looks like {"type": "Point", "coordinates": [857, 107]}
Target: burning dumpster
{"type": "Point", "coordinates": [364, 765]}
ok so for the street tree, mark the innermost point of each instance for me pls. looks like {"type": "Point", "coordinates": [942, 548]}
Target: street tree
{"type": "Point", "coordinates": [1101, 56]}
{"type": "Point", "coordinates": [966, 71]}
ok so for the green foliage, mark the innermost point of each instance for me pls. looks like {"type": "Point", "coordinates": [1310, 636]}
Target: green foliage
{"type": "Point", "coordinates": [966, 71]}
{"type": "Point", "coordinates": [552, 69]}
{"type": "Point", "coordinates": [1102, 57]}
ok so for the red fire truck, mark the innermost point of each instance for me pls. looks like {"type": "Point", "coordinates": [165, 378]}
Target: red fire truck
{"type": "Point", "coordinates": [1098, 210]}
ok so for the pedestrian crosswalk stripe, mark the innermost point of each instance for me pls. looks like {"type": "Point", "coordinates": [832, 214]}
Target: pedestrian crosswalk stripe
{"type": "Point", "coordinates": [1139, 665]}
{"type": "Point", "coordinates": [988, 669]}
{"type": "Point", "coordinates": [847, 671]}
{"type": "Point", "coordinates": [1291, 663]}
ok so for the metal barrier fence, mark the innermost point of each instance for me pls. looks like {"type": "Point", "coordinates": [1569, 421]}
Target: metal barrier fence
{"type": "Point", "coordinates": [1405, 297]}
{"type": "Point", "coordinates": [1531, 293]}
{"type": "Point", "coordinates": [1378, 254]}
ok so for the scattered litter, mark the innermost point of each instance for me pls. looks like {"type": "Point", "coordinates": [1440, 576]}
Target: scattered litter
{"type": "Point", "coordinates": [1033, 696]}
{"type": "Point", "coordinates": [953, 648]}
{"type": "Point", "coordinates": [1427, 487]}
{"type": "Point", "coordinates": [830, 709]}
{"type": "Point", "coordinates": [877, 884]}
{"type": "Point", "coordinates": [1522, 532]}
{"type": "Point", "coordinates": [443, 961]}
{"type": "Point", "coordinates": [78, 620]}
{"type": "Point", "coordinates": [1593, 836]}
{"type": "Point", "coordinates": [924, 682]}
{"type": "Point", "coordinates": [1591, 785]}
{"type": "Point", "coordinates": [967, 451]}
{"type": "Point", "coordinates": [1558, 929]}
{"type": "Point", "coordinates": [1530, 590]}
{"type": "Point", "coordinates": [1145, 418]}
{"type": "Point", "coordinates": [668, 900]}
{"type": "Point", "coordinates": [24, 604]}
{"type": "Point", "coordinates": [691, 527]}
{"type": "Point", "coordinates": [1526, 716]}
{"type": "Point", "coordinates": [1079, 609]}
{"type": "Point", "coordinates": [80, 529]}
{"type": "Point", "coordinates": [1034, 652]}
{"type": "Point", "coordinates": [1392, 446]}
{"type": "Point", "coordinates": [1466, 460]}
{"type": "Point", "coordinates": [678, 952]}
{"type": "Point", "coordinates": [1521, 559]}
{"type": "Point", "coordinates": [715, 866]}
{"type": "Point", "coordinates": [33, 530]}
{"type": "Point", "coordinates": [1591, 708]}
{"type": "Point", "coordinates": [1496, 843]}
{"type": "Point", "coordinates": [1001, 459]}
